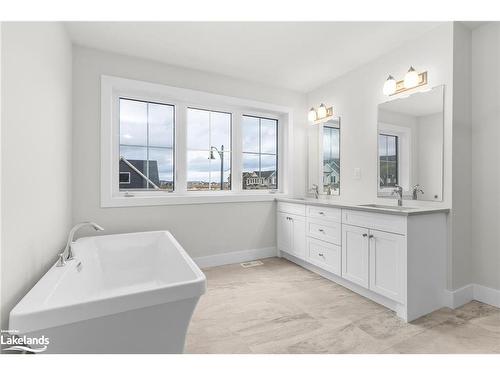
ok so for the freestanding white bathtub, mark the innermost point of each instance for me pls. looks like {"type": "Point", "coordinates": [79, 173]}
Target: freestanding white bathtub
{"type": "Point", "coordinates": [125, 293]}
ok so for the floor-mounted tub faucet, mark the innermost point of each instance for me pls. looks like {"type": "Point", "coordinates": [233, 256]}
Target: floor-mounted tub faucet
{"type": "Point", "coordinates": [67, 253]}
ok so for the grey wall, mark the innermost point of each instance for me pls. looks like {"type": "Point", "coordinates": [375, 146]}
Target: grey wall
{"type": "Point", "coordinates": [461, 234]}
{"type": "Point", "coordinates": [36, 153]}
{"type": "Point", "coordinates": [202, 229]}
{"type": "Point", "coordinates": [486, 155]}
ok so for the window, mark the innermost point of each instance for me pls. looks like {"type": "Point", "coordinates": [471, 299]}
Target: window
{"type": "Point", "coordinates": [388, 160]}
{"type": "Point", "coordinates": [208, 150]}
{"type": "Point", "coordinates": [146, 151]}
{"type": "Point", "coordinates": [165, 145]}
{"type": "Point", "coordinates": [260, 153]}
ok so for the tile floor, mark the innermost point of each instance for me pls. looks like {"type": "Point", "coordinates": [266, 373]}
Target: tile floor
{"type": "Point", "coordinates": [280, 307]}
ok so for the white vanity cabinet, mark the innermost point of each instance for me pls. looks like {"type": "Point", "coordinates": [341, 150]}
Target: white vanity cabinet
{"type": "Point", "coordinates": [397, 259]}
{"type": "Point", "coordinates": [373, 259]}
{"type": "Point", "coordinates": [355, 254]}
{"type": "Point", "coordinates": [291, 230]}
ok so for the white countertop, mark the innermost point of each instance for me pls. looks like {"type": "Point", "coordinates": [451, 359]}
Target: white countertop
{"type": "Point", "coordinates": [386, 208]}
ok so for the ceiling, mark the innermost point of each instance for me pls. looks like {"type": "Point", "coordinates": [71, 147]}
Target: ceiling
{"type": "Point", "coordinates": [299, 56]}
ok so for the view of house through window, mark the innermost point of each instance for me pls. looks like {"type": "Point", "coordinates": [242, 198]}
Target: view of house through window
{"type": "Point", "coordinates": [146, 145]}
{"type": "Point", "coordinates": [331, 159]}
{"type": "Point", "coordinates": [208, 150]}
{"type": "Point", "coordinates": [388, 160]}
{"type": "Point", "coordinates": [260, 153]}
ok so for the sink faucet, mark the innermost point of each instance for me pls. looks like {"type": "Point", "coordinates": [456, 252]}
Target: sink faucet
{"type": "Point", "coordinates": [416, 190]}
{"type": "Point", "coordinates": [399, 191]}
{"type": "Point", "coordinates": [67, 253]}
{"type": "Point", "coordinates": [315, 190]}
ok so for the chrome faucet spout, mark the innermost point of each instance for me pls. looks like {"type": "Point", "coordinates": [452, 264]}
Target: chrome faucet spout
{"type": "Point", "coordinates": [67, 253]}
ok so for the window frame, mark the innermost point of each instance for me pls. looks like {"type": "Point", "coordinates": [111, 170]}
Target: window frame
{"type": "Point", "coordinates": [112, 88]}
{"type": "Point", "coordinates": [187, 149]}
{"type": "Point", "coordinates": [148, 146]}
{"type": "Point", "coordinates": [260, 153]}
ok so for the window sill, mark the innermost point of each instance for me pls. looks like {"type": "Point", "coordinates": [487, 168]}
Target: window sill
{"type": "Point", "coordinates": [172, 199]}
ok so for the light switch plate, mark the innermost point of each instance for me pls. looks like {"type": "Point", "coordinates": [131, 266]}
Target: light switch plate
{"type": "Point", "coordinates": [357, 173]}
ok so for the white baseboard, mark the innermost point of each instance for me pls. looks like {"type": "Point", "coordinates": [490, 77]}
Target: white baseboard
{"type": "Point", "coordinates": [235, 257]}
{"type": "Point", "coordinates": [487, 295]}
{"type": "Point", "coordinates": [476, 292]}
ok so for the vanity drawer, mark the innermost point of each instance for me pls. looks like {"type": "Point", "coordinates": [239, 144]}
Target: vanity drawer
{"type": "Point", "coordinates": [292, 208]}
{"type": "Point", "coordinates": [379, 221]}
{"type": "Point", "coordinates": [326, 213]}
{"type": "Point", "coordinates": [328, 231]}
{"type": "Point", "coordinates": [324, 255]}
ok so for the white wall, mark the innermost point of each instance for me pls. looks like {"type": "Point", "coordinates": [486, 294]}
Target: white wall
{"type": "Point", "coordinates": [486, 154]}
{"type": "Point", "coordinates": [202, 229]}
{"type": "Point", "coordinates": [36, 153]}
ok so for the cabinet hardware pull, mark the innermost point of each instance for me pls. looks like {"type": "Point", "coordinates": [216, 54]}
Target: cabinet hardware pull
{"type": "Point", "coordinates": [321, 230]}
{"type": "Point", "coordinates": [365, 235]}
{"type": "Point", "coordinates": [371, 236]}
{"type": "Point", "coordinates": [321, 254]}
{"type": "Point", "coordinates": [321, 213]}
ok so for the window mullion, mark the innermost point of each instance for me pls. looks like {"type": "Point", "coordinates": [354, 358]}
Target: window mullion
{"type": "Point", "coordinates": [236, 152]}
{"type": "Point", "coordinates": [180, 165]}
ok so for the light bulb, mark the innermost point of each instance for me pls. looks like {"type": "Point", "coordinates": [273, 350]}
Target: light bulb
{"type": "Point", "coordinates": [322, 111]}
{"type": "Point", "coordinates": [389, 86]}
{"type": "Point", "coordinates": [411, 78]}
{"type": "Point", "coordinates": [311, 116]}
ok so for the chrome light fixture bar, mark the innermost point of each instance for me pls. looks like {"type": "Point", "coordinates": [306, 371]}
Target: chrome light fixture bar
{"type": "Point", "coordinates": [321, 114]}
{"type": "Point", "coordinates": [411, 80]}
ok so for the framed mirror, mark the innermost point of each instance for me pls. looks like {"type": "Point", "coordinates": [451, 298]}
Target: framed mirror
{"type": "Point", "coordinates": [410, 145]}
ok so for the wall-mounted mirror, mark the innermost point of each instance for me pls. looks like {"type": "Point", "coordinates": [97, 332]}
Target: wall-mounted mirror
{"type": "Point", "coordinates": [324, 156]}
{"type": "Point", "coordinates": [410, 145]}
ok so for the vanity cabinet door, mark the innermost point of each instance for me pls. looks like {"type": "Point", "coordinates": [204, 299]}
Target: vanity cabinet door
{"type": "Point", "coordinates": [386, 264]}
{"type": "Point", "coordinates": [299, 236]}
{"type": "Point", "coordinates": [284, 232]}
{"type": "Point", "coordinates": [355, 254]}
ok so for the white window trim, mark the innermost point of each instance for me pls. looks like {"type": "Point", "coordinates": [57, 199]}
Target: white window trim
{"type": "Point", "coordinates": [113, 88]}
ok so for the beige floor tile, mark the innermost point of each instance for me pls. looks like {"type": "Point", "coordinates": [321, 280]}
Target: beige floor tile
{"type": "Point", "coordinates": [280, 307]}
{"type": "Point", "coordinates": [451, 337]}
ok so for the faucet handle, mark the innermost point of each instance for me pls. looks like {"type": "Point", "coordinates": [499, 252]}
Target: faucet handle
{"type": "Point", "coordinates": [61, 262]}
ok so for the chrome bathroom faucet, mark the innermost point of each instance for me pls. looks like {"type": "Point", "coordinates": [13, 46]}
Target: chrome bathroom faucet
{"type": "Point", "coordinates": [399, 191]}
{"type": "Point", "coordinates": [315, 190]}
{"type": "Point", "coordinates": [67, 253]}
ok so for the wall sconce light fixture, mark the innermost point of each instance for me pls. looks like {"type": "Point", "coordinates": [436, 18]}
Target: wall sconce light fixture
{"type": "Point", "coordinates": [412, 79]}
{"type": "Point", "coordinates": [320, 115]}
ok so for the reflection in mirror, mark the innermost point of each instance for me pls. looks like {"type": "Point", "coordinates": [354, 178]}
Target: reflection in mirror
{"type": "Point", "coordinates": [331, 157]}
{"type": "Point", "coordinates": [410, 145]}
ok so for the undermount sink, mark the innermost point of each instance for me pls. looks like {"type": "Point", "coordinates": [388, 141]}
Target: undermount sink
{"type": "Point", "coordinates": [387, 207]}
